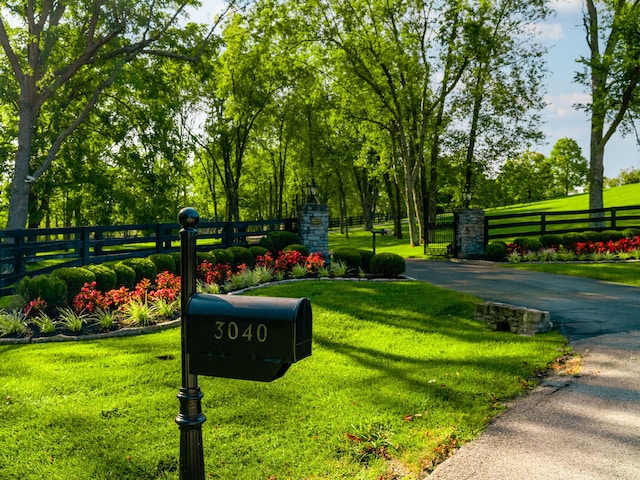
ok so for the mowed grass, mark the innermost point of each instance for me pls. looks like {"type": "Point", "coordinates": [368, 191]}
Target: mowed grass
{"type": "Point", "coordinates": [627, 272]}
{"type": "Point", "coordinates": [400, 373]}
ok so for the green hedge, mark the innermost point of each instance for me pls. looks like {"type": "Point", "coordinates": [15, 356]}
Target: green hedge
{"type": "Point", "coordinates": [75, 278]}
{"type": "Point", "coordinates": [388, 264]}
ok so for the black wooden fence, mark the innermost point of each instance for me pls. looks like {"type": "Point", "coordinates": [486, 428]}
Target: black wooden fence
{"type": "Point", "coordinates": [36, 251]}
{"type": "Point", "coordinates": [531, 224]}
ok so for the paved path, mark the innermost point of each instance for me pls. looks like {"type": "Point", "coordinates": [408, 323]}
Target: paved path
{"type": "Point", "coordinates": [580, 307]}
{"type": "Point", "coordinates": [570, 428]}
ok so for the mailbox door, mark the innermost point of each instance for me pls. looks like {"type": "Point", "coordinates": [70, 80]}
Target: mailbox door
{"type": "Point", "coordinates": [253, 338]}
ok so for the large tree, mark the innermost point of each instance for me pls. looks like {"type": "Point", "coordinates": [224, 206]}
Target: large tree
{"type": "Point", "coordinates": [69, 53]}
{"type": "Point", "coordinates": [612, 73]}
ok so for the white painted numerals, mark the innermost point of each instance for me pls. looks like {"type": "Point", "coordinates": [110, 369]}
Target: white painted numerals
{"type": "Point", "coordinates": [231, 331]}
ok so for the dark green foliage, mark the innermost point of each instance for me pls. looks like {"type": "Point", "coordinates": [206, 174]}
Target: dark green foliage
{"type": "Point", "coordinates": [365, 257]}
{"type": "Point", "coordinates": [569, 240]}
{"type": "Point", "coordinates": [50, 288]}
{"type": "Point", "coordinates": [277, 241]}
{"type": "Point", "coordinates": [143, 267]}
{"type": "Point", "coordinates": [388, 264]}
{"type": "Point", "coordinates": [223, 256]}
{"type": "Point", "coordinates": [105, 277]}
{"type": "Point", "coordinates": [241, 255]}
{"type": "Point", "coordinates": [528, 244]}
{"type": "Point", "coordinates": [75, 278]}
{"type": "Point", "coordinates": [550, 241]}
{"type": "Point", "coordinates": [164, 262]}
{"type": "Point", "coordinates": [349, 256]}
{"type": "Point", "coordinates": [177, 259]}
{"type": "Point", "coordinates": [496, 251]}
{"type": "Point", "coordinates": [258, 251]}
{"type": "Point", "coordinates": [125, 275]}
{"type": "Point", "coordinates": [631, 232]}
{"type": "Point", "coordinates": [592, 236]}
{"type": "Point", "coordinates": [613, 235]}
{"type": "Point", "coordinates": [298, 248]}
{"type": "Point", "coordinates": [208, 256]}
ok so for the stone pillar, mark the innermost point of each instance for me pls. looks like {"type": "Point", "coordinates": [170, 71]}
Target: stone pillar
{"type": "Point", "coordinates": [469, 231]}
{"type": "Point", "coordinates": [313, 227]}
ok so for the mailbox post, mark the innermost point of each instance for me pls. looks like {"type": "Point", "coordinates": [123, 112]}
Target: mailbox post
{"type": "Point", "coordinates": [250, 338]}
{"type": "Point", "coordinates": [190, 418]}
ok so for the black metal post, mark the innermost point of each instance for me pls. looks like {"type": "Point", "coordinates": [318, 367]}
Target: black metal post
{"type": "Point", "coordinates": [190, 418]}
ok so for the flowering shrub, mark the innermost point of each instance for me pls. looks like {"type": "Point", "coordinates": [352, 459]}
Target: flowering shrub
{"type": "Point", "coordinates": [35, 307]}
{"type": "Point", "coordinates": [314, 262]}
{"type": "Point", "coordinates": [90, 298]}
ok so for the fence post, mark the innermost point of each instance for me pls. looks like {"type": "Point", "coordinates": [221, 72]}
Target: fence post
{"type": "Point", "coordinates": [86, 254]}
{"type": "Point", "coordinates": [543, 224]}
{"type": "Point", "coordinates": [613, 218]}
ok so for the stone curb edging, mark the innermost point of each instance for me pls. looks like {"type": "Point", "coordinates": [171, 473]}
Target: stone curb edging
{"type": "Point", "coordinates": [132, 331]}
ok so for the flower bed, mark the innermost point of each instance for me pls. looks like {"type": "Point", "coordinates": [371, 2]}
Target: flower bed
{"type": "Point", "coordinates": [155, 302]}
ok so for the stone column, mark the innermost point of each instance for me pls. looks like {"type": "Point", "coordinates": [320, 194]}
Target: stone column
{"type": "Point", "coordinates": [313, 227]}
{"type": "Point", "coordinates": [469, 232]}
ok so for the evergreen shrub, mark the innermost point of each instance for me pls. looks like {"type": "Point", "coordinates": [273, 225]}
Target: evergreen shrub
{"type": "Point", "coordinates": [277, 241]}
{"type": "Point", "coordinates": [48, 287]}
{"type": "Point", "coordinates": [258, 251]}
{"type": "Point", "coordinates": [75, 278]}
{"type": "Point", "coordinates": [349, 256]}
{"type": "Point", "coordinates": [164, 262]}
{"type": "Point", "coordinates": [496, 251]}
{"type": "Point", "coordinates": [241, 255]}
{"type": "Point", "coordinates": [223, 256]}
{"type": "Point", "coordinates": [125, 275]}
{"type": "Point", "coordinates": [105, 277]}
{"type": "Point", "coordinates": [143, 267]}
{"type": "Point", "coordinates": [365, 258]}
{"type": "Point", "coordinates": [388, 264]}
{"type": "Point", "coordinates": [298, 248]}
{"type": "Point", "coordinates": [550, 240]}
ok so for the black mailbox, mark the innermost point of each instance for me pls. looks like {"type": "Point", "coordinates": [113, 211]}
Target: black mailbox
{"type": "Point", "coordinates": [250, 338]}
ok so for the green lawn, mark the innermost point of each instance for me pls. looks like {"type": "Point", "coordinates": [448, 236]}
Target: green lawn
{"type": "Point", "coordinates": [399, 370]}
{"type": "Point", "coordinates": [627, 273]}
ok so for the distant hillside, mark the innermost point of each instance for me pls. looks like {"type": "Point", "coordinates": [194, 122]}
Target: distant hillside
{"type": "Point", "coordinates": [626, 195]}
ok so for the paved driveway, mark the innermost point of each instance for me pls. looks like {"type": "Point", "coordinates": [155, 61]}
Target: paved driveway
{"type": "Point", "coordinates": [579, 307]}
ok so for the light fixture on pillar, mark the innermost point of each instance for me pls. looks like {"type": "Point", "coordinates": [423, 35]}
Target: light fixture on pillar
{"type": "Point", "coordinates": [466, 198]}
{"type": "Point", "coordinates": [312, 190]}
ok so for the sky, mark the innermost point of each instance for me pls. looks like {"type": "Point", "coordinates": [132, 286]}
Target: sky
{"type": "Point", "coordinates": [564, 36]}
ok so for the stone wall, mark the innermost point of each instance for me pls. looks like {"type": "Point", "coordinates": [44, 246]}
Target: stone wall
{"type": "Point", "coordinates": [509, 318]}
{"type": "Point", "coordinates": [313, 227]}
{"type": "Point", "coordinates": [469, 239]}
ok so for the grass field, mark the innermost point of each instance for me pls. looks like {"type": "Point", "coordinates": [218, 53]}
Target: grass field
{"type": "Point", "coordinates": [399, 375]}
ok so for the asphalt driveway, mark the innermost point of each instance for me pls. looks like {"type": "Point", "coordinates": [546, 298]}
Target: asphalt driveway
{"type": "Point", "coordinates": [579, 307]}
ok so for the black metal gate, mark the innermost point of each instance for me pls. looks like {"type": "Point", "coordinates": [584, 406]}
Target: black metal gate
{"type": "Point", "coordinates": [441, 235]}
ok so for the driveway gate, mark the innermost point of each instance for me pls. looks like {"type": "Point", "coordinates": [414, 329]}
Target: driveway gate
{"type": "Point", "coordinates": [441, 235]}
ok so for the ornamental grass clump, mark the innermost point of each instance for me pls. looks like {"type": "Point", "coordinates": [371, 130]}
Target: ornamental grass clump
{"type": "Point", "coordinates": [13, 323]}
{"type": "Point", "coordinates": [72, 320]}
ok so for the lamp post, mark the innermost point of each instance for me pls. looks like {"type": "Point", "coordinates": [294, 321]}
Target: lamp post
{"type": "Point", "coordinates": [466, 198]}
{"type": "Point", "coordinates": [312, 191]}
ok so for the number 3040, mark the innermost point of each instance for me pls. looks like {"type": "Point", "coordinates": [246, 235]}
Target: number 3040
{"type": "Point", "coordinates": [231, 331]}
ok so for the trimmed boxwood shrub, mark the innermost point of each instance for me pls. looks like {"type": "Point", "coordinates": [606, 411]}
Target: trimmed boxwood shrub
{"type": "Point", "coordinates": [208, 256]}
{"type": "Point", "coordinates": [388, 264]}
{"type": "Point", "coordinates": [365, 258]}
{"type": "Point", "coordinates": [349, 256]}
{"type": "Point", "coordinates": [569, 240]}
{"type": "Point", "coordinates": [241, 255]}
{"type": "Point", "coordinates": [177, 260]}
{"type": "Point", "coordinates": [143, 267]}
{"type": "Point", "coordinates": [298, 248]}
{"type": "Point", "coordinates": [223, 256]}
{"type": "Point", "coordinates": [125, 275]}
{"type": "Point", "coordinates": [613, 235]}
{"type": "Point", "coordinates": [75, 278]}
{"type": "Point", "coordinates": [496, 251]}
{"type": "Point", "coordinates": [631, 232]}
{"type": "Point", "coordinates": [258, 251]}
{"type": "Point", "coordinates": [550, 240]}
{"type": "Point", "coordinates": [105, 277]}
{"type": "Point", "coordinates": [163, 262]}
{"type": "Point", "coordinates": [50, 288]}
{"type": "Point", "coordinates": [528, 244]}
{"type": "Point", "coordinates": [277, 241]}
